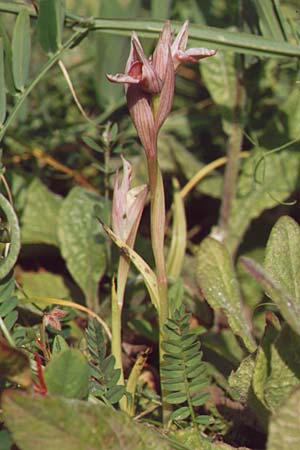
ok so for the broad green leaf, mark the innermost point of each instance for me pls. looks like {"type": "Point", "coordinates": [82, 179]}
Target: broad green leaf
{"type": "Point", "coordinates": [282, 262]}
{"type": "Point", "coordinates": [67, 374]}
{"type": "Point", "coordinates": [261, 188]}
{"type": "Point", "coordinates": [284, 366]}
{"type": "Point", "coordinates": [275, 291]}
{"type": "Point", "coordinates": [50, 24]}
{"type": "Point", "coordinates": [277, 368]}
{"type": "Point", "coordinates": [82, 241]}
{"type": "Point", "coordinates": [217, 280]}
{"type": "Point", "coordinates": [179, 236]}
{"type": "Point", "coordinates": [192, 439]}
{"type": "Point", "coordinates": [21, 46]}
{"type": "Point", "coordinates": [219, 74]}
{"type": "Point", "coordinates": [2, 84]}
{"type": "Point", "coordinates": [284, 429]}
{"type": "Point", "coordinates": [60, 423]}
{"type": "Point", "coordinates": [44, 284]}
{"type": "Point", "coordinates": [39, 220]}
{"type": "Point", "coordinates": [240, 380]}
{"type": "Point", "coordinates": [14, 365]}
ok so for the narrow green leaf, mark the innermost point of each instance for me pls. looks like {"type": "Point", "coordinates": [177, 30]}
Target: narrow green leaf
{"type": "Point", "coordinates": [195, 371]}
{"type": "Point", "coordinates": [2, 84]}
{"type": "Point", "coordinates": [176, 397]}
{"type": "Point", "coordinates": [268, 20]}
{"type": "Point", "coordinates": [204, 420]}
{"type": "Point", "coordinates": [275, 291]}
{"type": "Point", "coordinates": [67, 374]}
{"type": "Point", "coordinates": [198, 384]}
{"type": "Point", "coordinates": [200, 399]}
{"type": "Point", "coordinates": [284, 430]}
{"type": "Point", "coordinates": [50, 24]}
{"type": "Point", "coordinates": [217, 280]}
{"type": "Point", "coordinates": [60, 423]}
{"type": "Point", "coordinates": [21, 46]}
{"type": "Point", "coordinates": [8, 305]}
{"type": "Point", "coordinates": [82, 241]}
{"type": "Point", "coordinates": [204, 36]}
{"type": "Point", "coordinates": [176, 292]}
{"type": "Point", "coordinates": [173, 387]}
{"type": "Point", "coordinates": [181, 413]}
{"type": "Point", "coordinates": [11, 319]}
{"type": "Point", "coordinates": [147, 273]}
{"type": "Point", "coordinates": [115, 394]}
{"type": "Point", "coordinates": [171, 374]}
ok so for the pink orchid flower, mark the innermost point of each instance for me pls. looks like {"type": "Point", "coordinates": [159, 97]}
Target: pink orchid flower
{"type": "Point", "coordinates": [149, 83]}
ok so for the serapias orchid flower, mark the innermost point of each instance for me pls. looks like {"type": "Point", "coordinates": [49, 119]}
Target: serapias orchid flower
{"type": "Point", "coordinates": [149, 83]}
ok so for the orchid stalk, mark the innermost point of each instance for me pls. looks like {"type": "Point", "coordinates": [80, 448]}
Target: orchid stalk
{"type": "Point", "coordinates": [127, 208]}
{"type": "Point", "coordinates": [149, 87]}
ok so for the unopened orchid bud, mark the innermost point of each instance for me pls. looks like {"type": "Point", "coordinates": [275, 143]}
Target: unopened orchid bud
{"type": "Point", "coordinates": [127, 207]}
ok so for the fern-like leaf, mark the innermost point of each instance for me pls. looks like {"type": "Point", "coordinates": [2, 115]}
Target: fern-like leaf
{"type": "Point", "coordinates": [104, 376]}
{"type": "Point", "coordinates": [183, 372]}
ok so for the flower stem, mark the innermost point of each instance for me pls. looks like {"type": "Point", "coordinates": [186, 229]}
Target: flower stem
{"type": "Point", "coordinates": [158, 220]}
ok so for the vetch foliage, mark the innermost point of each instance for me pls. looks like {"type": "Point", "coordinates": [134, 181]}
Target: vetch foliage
{"type": "Point", "coordinates": [104, 375]}
{"type": "Point", "coordinates": [183, 372]}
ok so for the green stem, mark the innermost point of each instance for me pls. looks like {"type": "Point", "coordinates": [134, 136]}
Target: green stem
{"type": "Point", "coordinates": [116, 329]}
{"type": "Point", "coordinates": [51, 61]}
{"type": "Point", "coordinates": [158, 221]}
{"type": "Point", "coordinates": [6, 333]}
